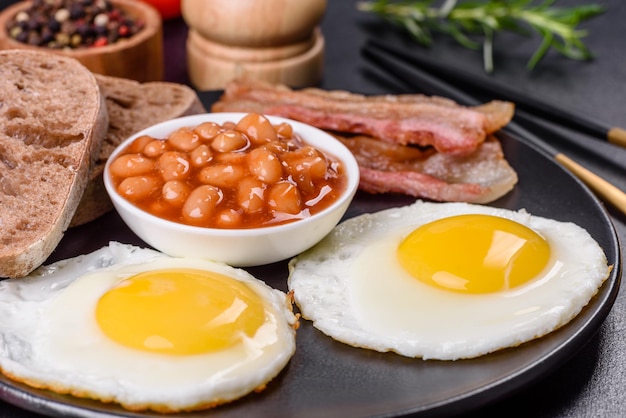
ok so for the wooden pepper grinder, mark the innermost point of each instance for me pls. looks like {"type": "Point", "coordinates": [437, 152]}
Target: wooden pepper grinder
{"type": "Point", "coordinates": [272, 40]}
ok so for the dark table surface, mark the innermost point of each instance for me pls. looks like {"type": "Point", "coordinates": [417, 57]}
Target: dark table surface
{"type": "Point", "coordinates": [593, 382]}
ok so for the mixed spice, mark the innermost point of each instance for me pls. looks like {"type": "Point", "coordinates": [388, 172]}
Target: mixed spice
{"type": "Point", "coordinates": [72, 24]}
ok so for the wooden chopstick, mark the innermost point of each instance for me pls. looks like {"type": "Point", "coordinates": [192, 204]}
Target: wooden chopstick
{"type": "Point", "coordinates": [559, 114]}
{"type": "Point", "coordinates": [421, 80]}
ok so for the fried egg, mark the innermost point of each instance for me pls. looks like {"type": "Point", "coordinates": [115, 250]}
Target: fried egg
{"type": "Point", "coordinates": [446, 280]}
{"type": "Point", "coordinates": [133, 326]}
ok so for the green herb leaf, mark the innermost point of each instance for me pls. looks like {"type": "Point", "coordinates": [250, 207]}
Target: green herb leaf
{"type": "Point", "coordinates": [463, 21]}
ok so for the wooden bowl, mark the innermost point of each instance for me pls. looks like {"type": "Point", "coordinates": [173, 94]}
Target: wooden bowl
{"type": "Point", "coordinates": [139, 57]}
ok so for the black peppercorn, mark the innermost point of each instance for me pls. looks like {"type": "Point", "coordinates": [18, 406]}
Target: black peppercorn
{"type": "Point", "coordinates": [22, 36]}
{"type": "Point", "coordinates": [47, 36]}
{"type": "Point", "coordinates": [84, 30]}
{"type": "Point", "coordinates": [72, 24]}
{"type": "Point", "coordinates": [32, 25]}
{"type": "Point", "coordinates": [54, 25]}
{"type": "Point", "coordinates": [77, 11]}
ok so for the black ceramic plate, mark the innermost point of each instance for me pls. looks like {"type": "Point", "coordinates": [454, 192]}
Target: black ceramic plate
{"type": "Point", "coordinates": [327, 378]}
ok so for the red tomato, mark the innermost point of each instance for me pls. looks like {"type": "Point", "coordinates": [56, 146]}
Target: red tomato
{"type": "Point", "coordinates": [167, 8]}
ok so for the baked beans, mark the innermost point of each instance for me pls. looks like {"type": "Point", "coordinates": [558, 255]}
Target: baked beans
{"type": "Point", "coordinates": [244, 174]}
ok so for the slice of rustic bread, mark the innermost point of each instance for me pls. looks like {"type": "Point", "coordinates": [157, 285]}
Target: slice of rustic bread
{"type": "Point", "coordinates": [132, 106]}
{"type": "Point", "coordinates": [52, 122]}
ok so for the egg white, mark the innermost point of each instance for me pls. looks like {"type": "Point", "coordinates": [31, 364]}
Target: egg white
{"type": "Point", "coordinates": [49, 337]}
{"type": "Point", "coordinates": [353, 289]}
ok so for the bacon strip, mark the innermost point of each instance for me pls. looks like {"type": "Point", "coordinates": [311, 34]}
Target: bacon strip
{"type": "Point", "coordinates": [404, 119]}
{"type": "Point", "coordinates": [480, 177]}
{"type": "Point", "coordinates": [465, 163]}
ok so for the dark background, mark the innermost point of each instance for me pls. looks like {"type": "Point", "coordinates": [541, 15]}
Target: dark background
{"type": "Point", "coordinates": [593, 382]}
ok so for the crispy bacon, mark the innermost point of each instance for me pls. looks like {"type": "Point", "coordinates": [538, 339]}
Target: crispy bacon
{"type": "Point", "coordinates": [404, 119]}
{"type": "Point", "coordinates": [480, 177]}
{"type": "Point", "coordinates": [457, 159]}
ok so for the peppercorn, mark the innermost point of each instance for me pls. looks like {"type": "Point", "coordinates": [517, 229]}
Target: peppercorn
{"type": "Point", "coordinates": [34, 38]}
{"type": "Point", "coordinates": [46, 36]}
{"type": "Point", "coordinates": [61, 15]}
{"type": "Point", "coordinates": [22, 37]}
{"type": "Point", "coordinates": [123, 31]}
{"type": "Point", "coordinates": [77, 11]}
{"type": "Point", "coordinates": [101, 19]}
{"type": "Point", "coordinates": [84, 30]}
{"type": "Point", "coordinates": [62, 39]}
{"type": "Point", "coordinates": [21, 17]}
{"type": "Point", "coordinates": [72, 24]}
{"type": "Point", "coordinates": [15, 32]}
{"type": "Point", "coordinates": [54, 25]}
{"type": "Point", "coordinates": [32, 25]}
{"type": "Point", "coordinates": [76, 40]}
{"type": "Point", "coordinates": [102, 41]}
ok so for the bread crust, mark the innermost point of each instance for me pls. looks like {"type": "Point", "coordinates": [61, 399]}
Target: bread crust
{"type": "Point", "coordinates": [53, 120]}
{"type": "Point", "coordinates": [132, 106]}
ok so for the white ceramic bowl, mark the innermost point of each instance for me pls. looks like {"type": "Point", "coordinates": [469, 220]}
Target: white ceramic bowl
{"type": "Point", "coordinates": [237, 247]}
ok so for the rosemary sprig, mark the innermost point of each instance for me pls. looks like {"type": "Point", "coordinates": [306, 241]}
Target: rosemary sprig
{"type": "Point", "coordinates": [465, 21]}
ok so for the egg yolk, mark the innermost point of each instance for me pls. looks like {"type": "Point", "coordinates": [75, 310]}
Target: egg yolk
{"type": "Point", "coordinates": [179, 311]}
{"type": "Point", "coordinates": [474, 253]}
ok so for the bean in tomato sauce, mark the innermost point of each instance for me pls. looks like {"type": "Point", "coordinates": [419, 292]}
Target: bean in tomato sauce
{"type": "Point", "coordinates": [236, 175]}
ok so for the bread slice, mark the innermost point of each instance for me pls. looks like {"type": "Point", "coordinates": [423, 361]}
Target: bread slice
{"type": "Point", "coordinates": [52, 122]}
{"type": "Point", "coordinates": [132, 106]}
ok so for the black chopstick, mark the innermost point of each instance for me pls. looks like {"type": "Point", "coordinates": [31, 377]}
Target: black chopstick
{"type": "Point", "coordinates": [559, 114]}
{"type": "Point", "coordinates": [422, 81]}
